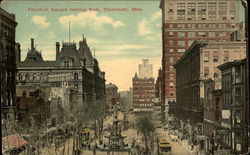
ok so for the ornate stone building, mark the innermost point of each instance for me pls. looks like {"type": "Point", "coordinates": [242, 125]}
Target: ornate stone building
{"type": "Point", "coordinates": [76, 67]}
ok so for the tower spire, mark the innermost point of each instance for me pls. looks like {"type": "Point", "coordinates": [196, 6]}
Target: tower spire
{"type": "Point", "coordinates": [94, 52]}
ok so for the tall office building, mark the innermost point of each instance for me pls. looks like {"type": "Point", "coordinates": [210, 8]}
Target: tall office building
{"type": "Point", "coordinates": [143, 87]}
{"type": "Point", "coordinates": [184, 21]}
{"type": "Point", "coordinates": [145, 69]}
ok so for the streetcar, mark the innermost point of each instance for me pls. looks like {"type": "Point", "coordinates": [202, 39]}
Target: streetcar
{"type": "Point", "coordinates": [84, 137]}
{"type": "Point", "coordinates": [164, 147]}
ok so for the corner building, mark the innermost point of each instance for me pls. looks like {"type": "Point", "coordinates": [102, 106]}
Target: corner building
{"type": "Point", "coordinates": [198, 64]}
{"type": "Point", "coordinates": [184, 21]}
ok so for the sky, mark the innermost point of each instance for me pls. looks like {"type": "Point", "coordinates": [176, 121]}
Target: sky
{"type": "Point", "coordinates": [121, 39]}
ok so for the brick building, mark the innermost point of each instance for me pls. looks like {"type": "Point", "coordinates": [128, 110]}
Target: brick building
{"type": "Point", "coordinates": [8, 63]}
{"type": "Point", "coordinates": [189, 20]}
{"type": "Point", "coordinates": [112, 96]}
{"type": "Point", "coordinates": [197, 64]}
{"type": "Point", "coordinates": [143, 93]}
{"type": "Point", "coordinates": [234, 135]}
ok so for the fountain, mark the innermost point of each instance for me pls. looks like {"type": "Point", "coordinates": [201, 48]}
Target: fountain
{"type": "Point", "coordinates": [115, 139]}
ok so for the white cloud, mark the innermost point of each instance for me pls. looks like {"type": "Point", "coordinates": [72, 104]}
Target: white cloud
{"type": "Point", "coordinates": [89, 19]}
{"type": "Point", "coordinates": [156, 15]}
{"type": "Point", "coordinates": [41, 21]}
{"type": "Point", "coordinates": [143, 28]}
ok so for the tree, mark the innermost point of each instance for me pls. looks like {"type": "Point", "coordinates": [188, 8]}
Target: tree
{"type": "Point", "coordinates": [146, 127]}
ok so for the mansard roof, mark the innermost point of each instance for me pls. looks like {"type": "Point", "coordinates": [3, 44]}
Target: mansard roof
{"type": "Point", "coordinates": [69, 51]}
{"type": "Point", "coordinates": [84, 52]}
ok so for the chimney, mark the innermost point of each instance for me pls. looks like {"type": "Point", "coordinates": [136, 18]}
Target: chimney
{"type": "Point", "coordinates": [32, 44]}
{"type": "Point", "coordinates": [57, 49]}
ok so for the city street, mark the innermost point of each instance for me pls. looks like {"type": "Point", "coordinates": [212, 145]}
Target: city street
{"type": "Point", "coordinates": [177, 147]}
{"type": "Point", "coordinates": [131, 133]}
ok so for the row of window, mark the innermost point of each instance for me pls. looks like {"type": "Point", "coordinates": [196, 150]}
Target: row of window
{"type": "Point", "coordinates": [145, 104]}
{"type": "Point", "coordinates": [198, 34]}
{"type": "Point", "coordinates": [8, 54]}
{"type": "Point", "coordinates": [206, 74]}
{"type": "Point", "coordinates": [202, 10]}
{"type": "Point", "coordinates": [201, 25]}
{"type": "Point", "coordinates": [7, 32]}
{"type": "Point", "coordinates": [9, 96]}
{"type": "Point", "coordinates": [216, 58]}
{"type": "Point", "coordinates": [41, 76]}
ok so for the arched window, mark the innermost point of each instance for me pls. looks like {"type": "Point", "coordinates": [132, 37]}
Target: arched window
{"type": "Point", "coordinates": [66, 63]}
{"type": "Point", "coordinates": [19, 77]}
{"type": "Point", "coordinates": [27, 76]}
{"type": "Point", "coordinates": [75, 76]}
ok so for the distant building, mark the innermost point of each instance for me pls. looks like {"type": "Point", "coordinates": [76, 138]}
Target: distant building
{"type": "Point", "coordinates": [197, 64]}
{"type": "Point", "coordinates": [126, 99]}
{"type": "Point", "coordinates": [8, 64]}
{"type": "Point", "coordinates": [143, 93]}
{"type": "Point", "coordinates": [145, 69]}
{"type": "Point", "coordinates": [112, 96]}
{"type": "Point", "coordinates": [233, 132]}
{"type": "Point", "coordinates": [76, 67]}
{"type": "Point", "coordinates": [189, 20]}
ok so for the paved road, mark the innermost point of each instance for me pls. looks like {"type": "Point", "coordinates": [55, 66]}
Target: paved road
{"type": "Point", "coordinates": [177, 149]}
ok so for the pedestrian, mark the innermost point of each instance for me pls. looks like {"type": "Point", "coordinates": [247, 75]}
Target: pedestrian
{"type": "Point", "coordinates": [88, 146]}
